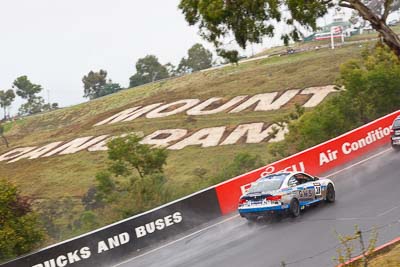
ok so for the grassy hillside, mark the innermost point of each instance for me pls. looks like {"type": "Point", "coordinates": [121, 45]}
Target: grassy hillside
{"type": "Point", "coordinates": [72, 175]}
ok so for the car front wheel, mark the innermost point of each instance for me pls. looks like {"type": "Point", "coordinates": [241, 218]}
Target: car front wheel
{"type": "Point", "coordinates": [330, 194]}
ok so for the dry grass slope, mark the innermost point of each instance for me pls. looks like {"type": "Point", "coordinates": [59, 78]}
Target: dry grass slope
{"type": "Point", "coordinates": [72, 175]}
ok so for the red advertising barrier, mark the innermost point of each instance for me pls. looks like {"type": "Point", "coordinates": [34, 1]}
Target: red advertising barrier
{"type": "Point", "coordinates": [315, 160]}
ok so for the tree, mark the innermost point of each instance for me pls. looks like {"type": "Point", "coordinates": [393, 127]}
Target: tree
{"type": "Point", "coordinates": [198, 58]}
{"type": "Point", "coordinates": [3, 136]}
{"type": "Point", "coordinates": [377, 6]}
{"type": "Point", "coordinates": [129, 156]}
{"type": "Point", "coordinates": [28, 90]}
{"type": "Point", "coordinates": [25, 88]}
{"type": "Point", "coordinates": [20, 230]}
{"type": "Point", "coordinates": [50, 106]}
{"type": "Point", "coordinates": [134, 178]}
{"type": "Point", "coordinates": [171, 69]}
{"type": "Point", "coordinates": [249, 21]}
{"type": "Point", "coordinates": [34, 105]}
{"type": "Point", "coordinates": [93, 83]}
{"type": "Point", "coordinates": [6, 99]}
{"type": "Point", "coordinates": [96, 85]}
{"type": "Point", "coordinates": [148, 69]}
{"type": "Point", "coordinates": [109, 88]}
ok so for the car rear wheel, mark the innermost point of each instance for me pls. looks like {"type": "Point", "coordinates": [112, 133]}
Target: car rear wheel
{"type": "Point", "coordinates": [294, 208]}
{"type": "Point", "coordinates": [396, 147]}
{"type": "Point", "coordinates": [251, 218]}
{"type": "Point", "coordinates": [330, 194]}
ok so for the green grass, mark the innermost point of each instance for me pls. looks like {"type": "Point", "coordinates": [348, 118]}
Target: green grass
{"type": "Point", "coordinates": [72, 175]}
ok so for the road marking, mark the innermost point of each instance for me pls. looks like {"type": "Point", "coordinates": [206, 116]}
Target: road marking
{"type": "Point", "coordinates": [386, 212]}
{"type": "Point", "coordinates": [346, 219]}
{"type": "Point", "coordinates": [177, 240]}
{"type": "Point", "coordinates": [237, 215]}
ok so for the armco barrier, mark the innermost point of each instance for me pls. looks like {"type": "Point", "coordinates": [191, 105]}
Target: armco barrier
{"type": "Point", "coordinates": [315, 160]}
{"type": "Point", "coordinates": [113, 243]}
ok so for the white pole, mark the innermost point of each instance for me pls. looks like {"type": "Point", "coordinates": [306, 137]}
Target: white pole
{"type": "Point", "coordinates": [342, 36]}
{"type": "Point", "coordinates": [332, 41]}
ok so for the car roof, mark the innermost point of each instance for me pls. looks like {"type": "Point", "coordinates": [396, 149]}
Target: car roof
{"type": "Point", "coordinates": [287, 174]}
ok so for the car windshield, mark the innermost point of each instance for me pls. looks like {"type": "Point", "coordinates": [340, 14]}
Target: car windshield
{"type": "Point", "coordinates": [268, 183]}
{"type": "Point", "coordinates": [396, 123]}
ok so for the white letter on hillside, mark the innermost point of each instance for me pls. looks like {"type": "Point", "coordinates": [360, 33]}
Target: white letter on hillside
{"type": "Point", "coordinates": [198, 110]}
{"type": "Point", "coordinates": [172, 109]}
{"type": "Point", "coordinates": [319, 94]}
{"type": "Point", "coordinates": [37, 152]}
{"type": "Point", "coordinates": [266, 101]}
{"type": "Point", "coordinates": [102, 145]}
{"type": "Point", "coordinates": [16, 153]}
{"type": "Point", "coordinates": [205, 137]}
{"type": "Point", "coordinates": [76, 145]}
{"type": "Point", "coordinates": [163, 138]}
{"type": "Point", "coordinates": [128, 114]}
{"type": "Point", "coordinates": [253, 132]}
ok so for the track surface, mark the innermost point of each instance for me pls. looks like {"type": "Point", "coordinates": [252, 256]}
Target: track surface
{"type": "Point", "coordinates": [367, 194]}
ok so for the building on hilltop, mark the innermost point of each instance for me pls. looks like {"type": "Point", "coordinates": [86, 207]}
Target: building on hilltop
{"type": "Point", "coordinates": [339, 27]}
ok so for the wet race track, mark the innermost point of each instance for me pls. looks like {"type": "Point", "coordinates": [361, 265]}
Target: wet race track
{"type": "Point", "coordinates": [367, 194]}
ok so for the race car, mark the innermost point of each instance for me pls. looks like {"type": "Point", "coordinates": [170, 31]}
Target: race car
{"type": "Point", "coordinates": [284, 192]}
{"type": "Point", "coordinates": [395, 133]}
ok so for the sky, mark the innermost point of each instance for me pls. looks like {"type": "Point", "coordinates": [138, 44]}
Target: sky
{"type": "Point", "coordinates": [56, 42]}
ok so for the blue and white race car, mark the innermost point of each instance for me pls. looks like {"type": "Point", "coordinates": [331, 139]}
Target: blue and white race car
{"type": "Point", "coordinates": [284, 192]}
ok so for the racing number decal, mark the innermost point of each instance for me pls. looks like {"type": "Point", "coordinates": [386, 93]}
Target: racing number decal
{"type": "Point", "coordinates": [317, 189]}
